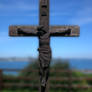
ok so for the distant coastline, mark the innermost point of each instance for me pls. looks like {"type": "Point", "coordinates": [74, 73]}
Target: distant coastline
{"type": "Point", "coordinates": [31, 58]}
{"type": "Point", "coordinates": [16, 59]}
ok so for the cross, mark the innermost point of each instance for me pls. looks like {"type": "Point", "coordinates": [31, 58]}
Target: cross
{"type": "Point", "coordinates": [44, 32]}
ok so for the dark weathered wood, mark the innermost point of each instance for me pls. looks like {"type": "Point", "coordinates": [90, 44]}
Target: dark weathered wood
{"type": "Point", "coordinates": [50, 79]}
{"type": "Point", "coordinates": [48, 86]}
{"type": "Point", "coordinates": [23, 31]}
{"type": "Point", "coordinates": [9, 85]}
{"type": "Point", "coordinates": [22, 78]}
{"type": "Point", "coordinates": [73, 86]}
{"type": "Point", "coordinates": [44, 44]}
{"type": "Point", "coordinates": [1, 80]}
{"type": "Point", "coordinates": [70, 81]}
{"type": "Point", "coordinates": [67, 31]}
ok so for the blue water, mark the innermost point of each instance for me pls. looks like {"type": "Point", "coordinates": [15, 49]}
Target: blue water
{"type": "Point", "coordinates": [74, 64]}
{"type": "Point", "coordinates": [13, 65]}
{"type": "Point", "coordinates": [81, 64]}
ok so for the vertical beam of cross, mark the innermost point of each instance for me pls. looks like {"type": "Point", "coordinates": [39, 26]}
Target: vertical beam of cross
{"type": "Point", "coordinates": [44, 43]}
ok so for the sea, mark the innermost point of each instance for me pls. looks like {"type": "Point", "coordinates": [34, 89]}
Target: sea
{"type": "Point", "coordinates": [79, 64]}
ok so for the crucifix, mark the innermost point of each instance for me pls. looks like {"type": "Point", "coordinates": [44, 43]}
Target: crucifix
{"type": "Point", "coordinates": [44, 32]}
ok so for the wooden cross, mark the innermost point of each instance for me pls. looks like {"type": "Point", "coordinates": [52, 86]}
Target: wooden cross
{"type": "Point", "coordinates": [44, 32]}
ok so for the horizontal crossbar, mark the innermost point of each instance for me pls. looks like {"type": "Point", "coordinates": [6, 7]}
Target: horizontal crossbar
{"type": "Point", "coordinates": [67, 31]}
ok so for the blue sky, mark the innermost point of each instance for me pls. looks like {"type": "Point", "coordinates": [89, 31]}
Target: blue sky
{"type": "Point", "coordinates": [62, 12]}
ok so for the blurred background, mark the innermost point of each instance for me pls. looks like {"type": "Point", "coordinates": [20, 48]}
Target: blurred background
{"type": "Point", "coordinates": [68, 53]}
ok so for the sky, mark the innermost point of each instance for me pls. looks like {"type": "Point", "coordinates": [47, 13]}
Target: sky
{"type": "Point", "coordinates": [62, 12]}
